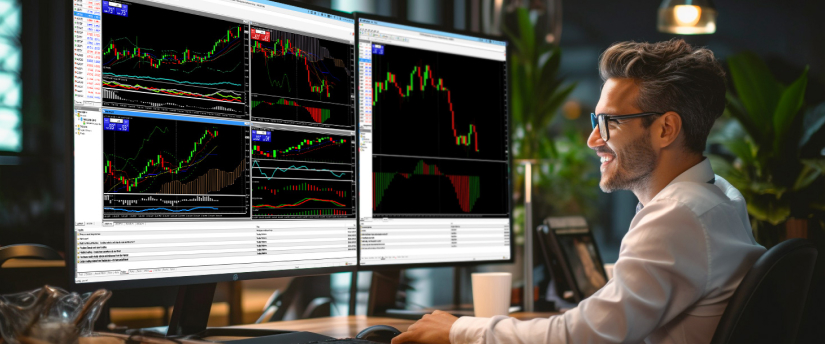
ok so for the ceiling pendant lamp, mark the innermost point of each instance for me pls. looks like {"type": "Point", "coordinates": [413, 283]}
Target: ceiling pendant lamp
{"type": "Point", "coordinates": [687, 17]}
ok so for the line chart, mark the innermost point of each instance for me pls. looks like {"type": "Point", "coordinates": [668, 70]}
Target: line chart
{"type": "Point", "coordinates": [297, 171]}
{"type": "Point", "coordinates": [163, 67]}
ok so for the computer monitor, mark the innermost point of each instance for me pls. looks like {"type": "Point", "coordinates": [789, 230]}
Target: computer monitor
{"type": "Point", "coordinates": [433, 146]}
{"type": "Point", "coordinates": [211, 140]}
{"type": "Point", "coordinates": [572, 257]}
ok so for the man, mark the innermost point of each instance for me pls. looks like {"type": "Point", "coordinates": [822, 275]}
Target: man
{"type": "Point", "coordinates": [690, 243]}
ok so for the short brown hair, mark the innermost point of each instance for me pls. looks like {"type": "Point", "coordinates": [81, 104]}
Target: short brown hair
{"type": "Point", "coordinates": [672, 76]}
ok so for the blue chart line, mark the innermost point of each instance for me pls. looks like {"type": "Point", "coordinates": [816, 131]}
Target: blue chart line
{"type": "Point", "coordinates": [173, 80]}
{"type": "Point", "coordinates": [144, 210]}
{"type": "Point", "coordinates": [293, 167]}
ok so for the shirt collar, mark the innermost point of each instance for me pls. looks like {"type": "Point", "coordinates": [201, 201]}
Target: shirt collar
{"type": "Point", "coordinates": [699, 173]}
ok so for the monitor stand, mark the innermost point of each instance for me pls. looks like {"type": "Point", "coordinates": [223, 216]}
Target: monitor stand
{"type": "Point", "coordinates": [191, 314]}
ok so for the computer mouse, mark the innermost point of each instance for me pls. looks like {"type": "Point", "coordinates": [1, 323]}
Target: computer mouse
{"type": "Point", "coordinates": [379, 333]}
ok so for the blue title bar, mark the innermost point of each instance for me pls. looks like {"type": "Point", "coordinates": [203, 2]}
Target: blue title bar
{"type": "Point", "coordinates": [433, 32]}
{"type": "Point", "coordinates": [304, 10]}
{"type": "Point", "coordinates": [173, 117]}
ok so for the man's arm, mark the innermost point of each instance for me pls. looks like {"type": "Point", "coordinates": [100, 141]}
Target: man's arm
{"type": "Point", "coordinates": [662, 270]}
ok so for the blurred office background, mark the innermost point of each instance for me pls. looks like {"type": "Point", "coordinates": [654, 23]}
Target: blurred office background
{"type": "Point", "coordinates": [35, 90]}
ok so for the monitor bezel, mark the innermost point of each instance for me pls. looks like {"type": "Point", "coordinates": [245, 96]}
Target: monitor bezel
{"type": "Point", "coordinates": [566, 265]}
{"type": "Point", "coordinates": [71, 267]}
{"type": "Point", "coordinates": [391, 20]}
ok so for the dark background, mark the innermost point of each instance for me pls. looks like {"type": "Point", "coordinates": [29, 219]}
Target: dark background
{"type": "Point", "coordinates": [789, 35]}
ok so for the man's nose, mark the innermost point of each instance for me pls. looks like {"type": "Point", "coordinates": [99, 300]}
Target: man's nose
{"type": "Point", "coordinates": [595, 139]}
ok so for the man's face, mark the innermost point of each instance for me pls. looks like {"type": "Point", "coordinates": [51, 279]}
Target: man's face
{"type": "Point", "coordinates": [627, 157]}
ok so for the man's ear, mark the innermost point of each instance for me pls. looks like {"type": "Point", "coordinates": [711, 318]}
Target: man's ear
{"type": "Point", "coordinates": [669, 126]}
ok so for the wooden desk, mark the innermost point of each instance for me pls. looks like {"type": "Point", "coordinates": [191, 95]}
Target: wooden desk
{"type": "Point", "coordinates": [349, 326]}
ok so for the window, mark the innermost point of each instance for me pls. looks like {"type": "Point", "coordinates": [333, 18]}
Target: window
{"type": "Point", "coordinates": [10, 89]}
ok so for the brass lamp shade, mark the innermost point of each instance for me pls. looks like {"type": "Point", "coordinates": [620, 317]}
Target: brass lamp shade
{"type": "Point", "coordinates": [687, 17]}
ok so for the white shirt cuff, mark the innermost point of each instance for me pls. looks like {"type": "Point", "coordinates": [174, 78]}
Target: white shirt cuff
{"type": "Point", "coordinates": [468, 330]}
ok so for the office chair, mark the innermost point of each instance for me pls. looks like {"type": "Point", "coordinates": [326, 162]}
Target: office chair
{"type": "Point", "coordinates": [767, 306]}
{"type": "Point", "coordinates": [304, 298]}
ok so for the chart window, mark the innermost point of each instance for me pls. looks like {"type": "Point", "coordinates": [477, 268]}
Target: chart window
{"type": "Point", "coordinates": [211, 137]}
{"type": "Point", "coordinates": [433, 142]}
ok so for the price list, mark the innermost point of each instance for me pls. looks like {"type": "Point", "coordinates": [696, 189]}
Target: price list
{"type": "Point", "coordinates": [86, 47]}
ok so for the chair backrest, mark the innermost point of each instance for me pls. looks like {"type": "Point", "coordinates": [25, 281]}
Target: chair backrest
{"type": "Point", "coordinates": [30, 251]}
{"type": "Point", "coordinates": [767, 306]}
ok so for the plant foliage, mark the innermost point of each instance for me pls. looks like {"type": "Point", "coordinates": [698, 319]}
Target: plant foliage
{"type": "Point", "coordinates": [764, 141]}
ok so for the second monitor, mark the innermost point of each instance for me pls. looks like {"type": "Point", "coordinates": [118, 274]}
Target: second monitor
{"type": "Point", "coordinates": [434, 164]}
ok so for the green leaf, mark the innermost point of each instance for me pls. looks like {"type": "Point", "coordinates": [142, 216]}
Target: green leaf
{"type": "Point", "coordinates": [757, 89]}
{"type": "Point", "coordinates": [518, 45]}
{"type": "Point", "coordinates": [768, 208]}
{"type": "Point", "coordinates": [549, 109]}
{"type": "Point", "coordinates": [789, 105]}
{"type": "Point", "coordinates": [806, 177]}
{"type": "Point", "coordinates": [526, 32]}
{"type": "Point", "coordinates": [741, 148]}
{"type": "Point", "coordinates": [760, 187]}
{"type": "Point", "coordinates": [814, 120]}
{"type": "Point", "coordinates": [737, 110]}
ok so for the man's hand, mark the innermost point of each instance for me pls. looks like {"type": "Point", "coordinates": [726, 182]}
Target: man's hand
{"type": "Point", "coordinates": [431, 329]}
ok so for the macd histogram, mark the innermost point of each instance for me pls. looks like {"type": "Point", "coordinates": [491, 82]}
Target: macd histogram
{"type": "Point", "coordinates": [429, 104]}
{"type": "Point", "coordinates": [301, 112]}
{"type": "Point", "coordinates": [167, 168]}
{"type": "Point", "coordinates": [438, 187]}
{"type": "Point", "coordinates": [153, 60]}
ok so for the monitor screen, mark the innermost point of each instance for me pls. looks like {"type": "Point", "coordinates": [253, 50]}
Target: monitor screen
{"type": "Point", "coordinates": [434, 167]}
{"type": "Point", "coordinates": [582, 258]}
{"type": "Point", "coordinates": [211, 138]}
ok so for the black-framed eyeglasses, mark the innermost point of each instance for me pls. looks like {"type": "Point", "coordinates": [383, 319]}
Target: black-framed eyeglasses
{"type": "Point", "coordinates": [601, 120]}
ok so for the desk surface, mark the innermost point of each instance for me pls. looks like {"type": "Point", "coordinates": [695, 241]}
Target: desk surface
{"type": "Point", "coordinates": [349, 326]}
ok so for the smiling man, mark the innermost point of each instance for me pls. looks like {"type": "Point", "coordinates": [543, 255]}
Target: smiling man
{"type": "Point", "coordinates": [690, 243]}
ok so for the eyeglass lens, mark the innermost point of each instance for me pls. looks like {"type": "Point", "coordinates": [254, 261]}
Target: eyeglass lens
{"type": "Point", "coordinates": [598, 120]}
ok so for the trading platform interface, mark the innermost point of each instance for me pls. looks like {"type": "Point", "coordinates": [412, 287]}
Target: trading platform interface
{"type": "Point", "coordinates": [211, 137]}
{"type": "Point", "coordinates": [433, 143]}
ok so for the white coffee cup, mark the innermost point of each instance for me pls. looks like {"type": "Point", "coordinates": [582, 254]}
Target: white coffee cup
{"type": "Point", "coordinates": [491, 293]}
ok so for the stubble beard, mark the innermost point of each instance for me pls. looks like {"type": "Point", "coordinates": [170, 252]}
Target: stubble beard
{"type": "Point", "coordinates": [637, 162]}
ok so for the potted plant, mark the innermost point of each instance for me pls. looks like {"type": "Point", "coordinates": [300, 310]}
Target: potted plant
{"type": "Point", "coordinates": [558, 150]}
{"type": "Point", "coordinates": [766, 153]}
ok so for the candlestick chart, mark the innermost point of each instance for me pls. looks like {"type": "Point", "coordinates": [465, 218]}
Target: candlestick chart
{"type": "Point", "coordinates": [166, 168]}
{"type": "Point", "coordinates": [435, 100]}
{"type": "Point", "coordinates": [302, 174]}
{"type": "Point", "coordinates": [158, 59]}
{"type": "Point", "coordinates": [300, 79]}
{"type": "Point", "coordinates": [404, 186]}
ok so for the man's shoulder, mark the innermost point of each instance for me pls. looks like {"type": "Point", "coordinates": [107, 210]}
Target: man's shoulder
{"type": "Point", "coordinates": [698, 197]}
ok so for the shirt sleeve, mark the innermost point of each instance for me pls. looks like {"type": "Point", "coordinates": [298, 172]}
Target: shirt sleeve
{"type": "Point", "coordinates": [662, 270]}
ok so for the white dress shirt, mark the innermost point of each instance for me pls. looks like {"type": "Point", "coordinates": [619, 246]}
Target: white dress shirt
{"type": "Point", "coordinates": [680, 262]}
